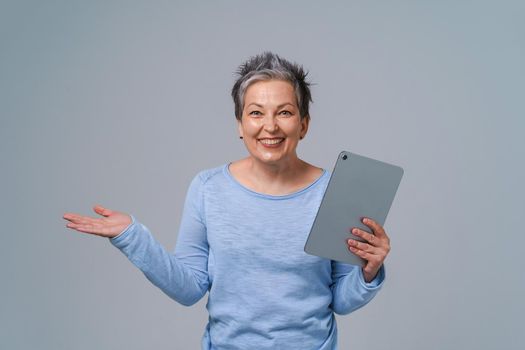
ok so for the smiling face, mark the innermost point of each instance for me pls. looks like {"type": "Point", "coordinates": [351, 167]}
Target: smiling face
{"type": "Point", "coordinates": [271, 125]}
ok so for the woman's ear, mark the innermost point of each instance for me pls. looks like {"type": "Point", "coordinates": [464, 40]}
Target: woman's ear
{"type": "Point", "coordinates": [239, 127]}
{"type": "Point", "coordinates": [305, 121]}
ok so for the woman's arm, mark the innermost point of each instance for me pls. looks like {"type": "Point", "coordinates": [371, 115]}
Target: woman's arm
{"type": "Point", "coordinates": [182, 275]}
{"type": "Point", "coordinates": [354, 287]}
{"type": "Point", "coordinates": [349, 289]}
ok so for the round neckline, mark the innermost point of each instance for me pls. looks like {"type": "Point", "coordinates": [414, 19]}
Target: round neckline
{"type": "Point", "coordinates": [229, 175]}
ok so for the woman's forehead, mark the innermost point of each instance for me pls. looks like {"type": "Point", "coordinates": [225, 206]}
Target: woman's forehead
{"type": "Point", "coordinates": [270, 92]}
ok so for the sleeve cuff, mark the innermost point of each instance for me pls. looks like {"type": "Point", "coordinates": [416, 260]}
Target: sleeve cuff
{"type": "Point", "coordinates": [124, 234]}
{"type": "Point", "coordinates": [377, 282]}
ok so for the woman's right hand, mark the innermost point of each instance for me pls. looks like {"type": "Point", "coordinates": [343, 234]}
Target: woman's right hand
{"type": "Point", "coordinates": [110, 225]}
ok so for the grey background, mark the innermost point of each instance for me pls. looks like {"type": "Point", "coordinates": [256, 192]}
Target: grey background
{"type": "Point", "coordinates": [121, 103]}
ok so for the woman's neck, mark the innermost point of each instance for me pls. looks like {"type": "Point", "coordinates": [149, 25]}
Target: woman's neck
{"type": "Point", "coordinates": [274, 178]}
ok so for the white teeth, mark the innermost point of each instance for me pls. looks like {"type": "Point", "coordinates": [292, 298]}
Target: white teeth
{"type": "Point", "coordinates": [271, 141]}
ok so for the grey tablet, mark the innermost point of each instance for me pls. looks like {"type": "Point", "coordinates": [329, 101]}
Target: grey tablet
{"type": "Point", "coordinates": [359, 187]}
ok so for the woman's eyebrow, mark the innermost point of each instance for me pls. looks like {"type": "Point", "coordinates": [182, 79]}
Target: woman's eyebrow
{"type": "Point", "coordinates": [285, 104]}
{"type": "Point", "coordinates": [255, 104]}
{"type": "Point", "coordinates": [278, 107]}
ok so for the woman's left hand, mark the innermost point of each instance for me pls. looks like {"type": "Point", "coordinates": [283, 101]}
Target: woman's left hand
{"type": "Point", "coordinates": [374, 249]}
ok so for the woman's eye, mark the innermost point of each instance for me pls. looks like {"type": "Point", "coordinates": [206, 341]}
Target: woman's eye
{"type": "Point", "coordinates": [256, 113]}
{"type": "Point", "coordinates": [286, 113]}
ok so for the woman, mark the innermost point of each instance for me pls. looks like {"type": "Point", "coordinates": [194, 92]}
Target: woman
{"type": "Point", "coordinates": [244, 227]}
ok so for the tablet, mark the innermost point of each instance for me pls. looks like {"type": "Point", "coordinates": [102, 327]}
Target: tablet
{"type": "Point", "coordinates": [359, 187]}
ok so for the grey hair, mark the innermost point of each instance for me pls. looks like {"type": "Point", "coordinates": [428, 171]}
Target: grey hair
{"type": "Point", "coordinates": [269, 66]}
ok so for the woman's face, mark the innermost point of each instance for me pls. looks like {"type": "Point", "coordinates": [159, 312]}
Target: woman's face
{"type": "Point", "coordinates": [271, 125]}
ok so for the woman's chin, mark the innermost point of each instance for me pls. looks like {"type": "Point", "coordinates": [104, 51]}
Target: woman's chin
{"type": "Point", "coordinates": [271, 158]}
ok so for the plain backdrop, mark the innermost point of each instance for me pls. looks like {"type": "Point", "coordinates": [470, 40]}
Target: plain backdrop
{"type": "Point", "coordinates": [123, 102]}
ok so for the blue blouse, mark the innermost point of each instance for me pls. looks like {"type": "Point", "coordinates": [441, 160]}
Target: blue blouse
{"type": "Point", "coordinates": [247, 250]}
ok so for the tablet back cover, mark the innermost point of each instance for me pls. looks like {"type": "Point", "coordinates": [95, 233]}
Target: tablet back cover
{"type": "Point", "coordinates": [359, 187]}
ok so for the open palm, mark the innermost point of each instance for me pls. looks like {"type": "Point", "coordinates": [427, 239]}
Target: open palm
{"type": "Point", "coordinates": [109, 225]}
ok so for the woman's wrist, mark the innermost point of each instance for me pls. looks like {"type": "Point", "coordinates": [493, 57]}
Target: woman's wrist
{"type": "Point", "coordinates": [370, 275]}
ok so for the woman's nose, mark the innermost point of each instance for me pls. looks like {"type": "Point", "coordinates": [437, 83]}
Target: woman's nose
{"type": "Point", "coordinates": [270, 124]}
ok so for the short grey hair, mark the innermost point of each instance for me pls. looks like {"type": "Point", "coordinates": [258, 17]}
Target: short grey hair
{"type": "Point", "coordinates": [269, 66]}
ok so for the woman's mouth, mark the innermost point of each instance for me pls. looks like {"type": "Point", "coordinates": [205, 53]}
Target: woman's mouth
{"type": "Point", "coordinates": [273, 142]}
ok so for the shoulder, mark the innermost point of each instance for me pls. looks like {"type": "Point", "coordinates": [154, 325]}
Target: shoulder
{"type": "Point", "coordinates": [203, 181]}
{"type": "Point", "coordinates": [206, 175]}
{"type": "Point", "coordinates": [210, 178]}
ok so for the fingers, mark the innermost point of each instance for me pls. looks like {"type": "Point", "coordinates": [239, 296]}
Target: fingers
{"type": "Point", "coordinates": [364, 247]}
{"type": "Point", "coordinates": [368, 237]}
{"type": "Point", "coordinates": [82, 223]}
{"type": "Point", "coordinates": [374, 249]}
{"type": "Point", "coordinates": [75, 218]}
{"type": "Point", "coordinates": [90, 228]}
{"type": "Point", "coordinates": [362, 250]}
{"type": "Point", "coordinates": [78, 219]}
{"type": "Point", "coordinates": [102, 211]}
{"type": "Point", "coordinates": [374, 256]}
{"type": "Point", "coordinates": [111, 224]}
{"type": "Point", "coordinates": [376, 228]}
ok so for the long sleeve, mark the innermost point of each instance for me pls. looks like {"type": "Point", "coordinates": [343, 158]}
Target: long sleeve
{"type": "Point", "coordinates": [247, 250]}
{"type": "Point", "coordinates": [182, 275]}
{"type": "Point", "coordinates": [349, 289]}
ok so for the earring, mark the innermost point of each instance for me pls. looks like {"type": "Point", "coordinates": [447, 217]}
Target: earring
{"type": "Point", "coordinates": [241, 137]}
{"type": "Point", "coordinates": [301, 137]}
